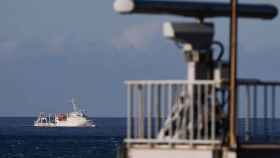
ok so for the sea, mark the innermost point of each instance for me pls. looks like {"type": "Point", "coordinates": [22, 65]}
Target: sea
{"type": "Point", "coordinates": [19, 139]}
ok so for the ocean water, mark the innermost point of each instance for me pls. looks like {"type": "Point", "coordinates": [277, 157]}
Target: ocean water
{"type": "Point", "coordinates": [19, 139]}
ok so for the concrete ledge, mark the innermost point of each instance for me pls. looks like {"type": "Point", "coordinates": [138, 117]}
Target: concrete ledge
{"type": "Point", "coordinates": [169, 153]}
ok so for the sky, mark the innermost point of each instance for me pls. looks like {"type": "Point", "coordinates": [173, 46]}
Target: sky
{"type": "Point", "coordinates": [53, 50]}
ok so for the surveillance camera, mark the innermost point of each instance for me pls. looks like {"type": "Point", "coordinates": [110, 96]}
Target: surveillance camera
{"type": "Point", "coordinates": [199, 36]}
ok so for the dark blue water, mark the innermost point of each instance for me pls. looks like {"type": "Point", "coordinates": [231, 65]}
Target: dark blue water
{"type": "Point", "coordinates": [19, 139]}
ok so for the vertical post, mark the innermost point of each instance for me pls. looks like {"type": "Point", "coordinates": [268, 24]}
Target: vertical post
{"type": "Point", "coordinates": [141, 111]}
{"type": "Point", "coordinates": [255, 103]}
{"type": "Point", "coordinates": [163, 101]}
{"type": "Point", "coordinates": [149, 109]}
{"type": "Point", "coordinates": [248, 114]}
{"type": "Point", "coordinates": [184, 115]}
{"type": "Point", "coordinates": [170, 109]}
{"type": "Point", "coordinates": [129, 111]}
{"type": "Point", "coordinates": [191, 130]}
{"type": "Point", "coordinates": [213, 113]}
{"type": "Point", "coordinates": [273, 109]}
{"type": "Point", "coordinates": [233, 76]}
{"type": "Point", "coordinates": [135, 105]}
{"type": "Point", "coordinates": [158, 106]}
{"type": "Point", "coordinates": [199, 111]}
{"type": "Point", "coordinates": [206, 111]}
{"type": "Point", "coordinates": [265, 95]}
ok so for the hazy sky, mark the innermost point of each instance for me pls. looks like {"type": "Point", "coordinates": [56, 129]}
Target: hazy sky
{"type": "Point", "coordinates": [51, 50]}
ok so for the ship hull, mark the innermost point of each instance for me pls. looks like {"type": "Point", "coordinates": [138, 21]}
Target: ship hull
{"type": "Point", "coordinates": [71, 121]}
{"type": "Point", "coordinates": [65, 124]}
{"type": "Point", "coordinates": [75, 122]}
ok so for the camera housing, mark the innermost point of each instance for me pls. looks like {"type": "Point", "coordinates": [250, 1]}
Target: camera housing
{"type": "Point", "coordinates": [199, 36]}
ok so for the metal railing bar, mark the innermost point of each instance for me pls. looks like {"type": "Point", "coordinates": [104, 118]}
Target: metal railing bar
{"type": "Point", "coordinates": [157, 99]}
{"type": "Point", "coordinates": [135, 117]}
{"type": "Point", "coordinates": [265, 110]}
{"type": "Point", "coordinates": [177, 101]}
{"type": "Point", "coordinates": [255, 103]}
{"type": "Point", "coordinates": [273, 104]}
{"type": "Point", "coordinates": [199, 111]}
{"type": "Point", "coordinates": [170, 108]}
{"type": "Point", "coordinates": [186, 103]}
{"type": "Point", "coordinates": [256, 82]}
{"type": "Point", "coordinates": [247, 113]}
{"type": "Point", "coordinates": [203, 82]}
{"type": "Point", "coordinates": [163, 99]}
{"type": "Point", "coordinates": [141, 112]}
{"type": "Point", "coordinates": [206, 112]}
{"type": "Point", "coordinates": [172, 82]}
{"type": "Point", "coordinates": [191, 129]}
{"type": "Point", "coordinates": [173, 141]}
{"type": "Point", "coordinates": [213, 111]}
{"type": "Point", "coordinates": [149, 110]}
{"type": "Point", "coordinates": [129, 111]}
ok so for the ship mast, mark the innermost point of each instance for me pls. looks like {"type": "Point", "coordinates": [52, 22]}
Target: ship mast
{"type": "Point", "coordinates": [75, 106]}
{"type": "Point", "coordinates": [233, 74]}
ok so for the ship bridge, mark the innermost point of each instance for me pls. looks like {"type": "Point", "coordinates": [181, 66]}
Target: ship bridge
{"type": "Point", "coordinates": [211, 113]}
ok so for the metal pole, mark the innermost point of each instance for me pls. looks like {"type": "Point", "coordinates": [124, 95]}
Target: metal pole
{"type": "Point", "coordinates": [129, 111]}
{"type": "Point", "coordinates": [248, 114]}
{"type": "Point", "coordinates": [233, 76]}
{"type": "Point", "coordinates": [158, 106]}
{"type": "Point", "coordinates": [149, 109]}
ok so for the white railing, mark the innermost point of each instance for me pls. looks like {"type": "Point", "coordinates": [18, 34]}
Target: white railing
{"type": "Point", "coordinates": [173, 112]}
{"type": "Point", "coordinates": [183, 112]}
{"type": "Point", "coordinates": [258, 110]}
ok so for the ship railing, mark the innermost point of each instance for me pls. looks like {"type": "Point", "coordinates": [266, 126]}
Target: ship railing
{"type": "Point", "coordinates": [258, 111]}
{"type": "Point", "coordinates": [173, 112]}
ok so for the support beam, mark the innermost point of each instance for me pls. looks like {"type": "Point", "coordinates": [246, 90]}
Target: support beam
{"type": "Point", "coordinates": [233, 75]}
{"type": "Point", "coordinates": [193, 8]}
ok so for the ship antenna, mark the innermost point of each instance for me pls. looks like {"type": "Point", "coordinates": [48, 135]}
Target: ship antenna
{"type": "Point", "coordinates": [75, 108]}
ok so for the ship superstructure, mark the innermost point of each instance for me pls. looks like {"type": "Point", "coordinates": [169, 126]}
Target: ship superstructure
{"type": "Point", "coordinates": [77, 118]}
{"type": "Point", "coordinates": [193, 117]}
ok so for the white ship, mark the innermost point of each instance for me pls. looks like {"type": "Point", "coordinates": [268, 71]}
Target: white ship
{"type": "Point", "coordinates": [77, 118]}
